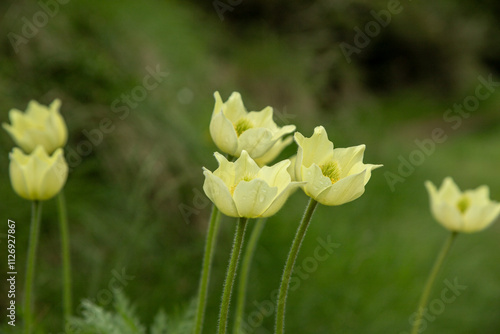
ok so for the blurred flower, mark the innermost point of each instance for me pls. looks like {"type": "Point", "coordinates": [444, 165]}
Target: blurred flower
{"type": "Point", "coordinates": [37, 176]}
{"type": "Point", "coordinates": [468, 211]}
{"type": "Point", "coordinates": [39, 125]}
{"type": "Point", "coordinates": [333, 176]}
{"type": "Point", "coordinates": [243, 189]}
{"type": "Point", "coordinates": [233, 130]}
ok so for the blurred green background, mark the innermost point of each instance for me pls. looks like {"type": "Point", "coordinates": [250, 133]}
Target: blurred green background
{"type": "Point", "coordinates": [135, 201]}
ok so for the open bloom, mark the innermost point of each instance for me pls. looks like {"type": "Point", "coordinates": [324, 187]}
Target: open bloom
{"type": "Point", "coordinates": [333, 176]}
{"type": "Point", "coordinates": [468, 211]}
{"type": "Point", "coordinates": [243, 189]}
{"type": "Point", "coordinates": [39, 125]}
{"type": "Point", "coordinates": [37, 176]}
{"type": "Point", "coordinates": [233, 130]}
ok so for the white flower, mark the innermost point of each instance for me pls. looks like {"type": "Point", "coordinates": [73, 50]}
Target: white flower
{"type": "Point", "coordinates": [37, 176]}
{"type": "Point", "coordinates": [39, 125]}
{"type": "Point", "coordinates": [333, 176]}
{"type": "Point", "coordinates": [468, 211]}
{"type": "Point", "coordinates": [233, 130]}
{"type": "Point", "coordinates": [243, 189]}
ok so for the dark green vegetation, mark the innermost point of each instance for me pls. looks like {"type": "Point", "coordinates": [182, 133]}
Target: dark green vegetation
{"type": "Point", "coordinates": [124, 197]}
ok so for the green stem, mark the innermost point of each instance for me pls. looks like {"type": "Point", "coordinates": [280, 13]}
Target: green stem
{"type": "Point", "coordinates": [36, 215]}
{"type": "Point", "coordinates": [245, 268]}
{"type": "Point", "coordinates": [430, 281]}
{"type": "Point", "coordinates": [63, 221]}
{"type": "Point", "coordinates": [231, 273]}
{"type": "Point", "coordinates": [290, 262]}
{"type": "Point", "coordinates": [213, 228]}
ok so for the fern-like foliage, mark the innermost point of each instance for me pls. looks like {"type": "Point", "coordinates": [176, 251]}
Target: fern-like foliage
{"type": "Point", "coordinates": [123, 320]}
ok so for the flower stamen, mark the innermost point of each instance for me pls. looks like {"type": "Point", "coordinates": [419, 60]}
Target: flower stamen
{"type": "Point", "coordinates": [331, 170]}
{"type": "Point", "coordinates": [463, 204]}
{"type": "Point", "coordinates": [245, 178]}
{"type": "Point", "coordinates": [242, 125]}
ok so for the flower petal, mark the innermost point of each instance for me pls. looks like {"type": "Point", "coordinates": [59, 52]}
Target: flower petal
{"type": "Point", "coordinates": [276, 175]}
{"type": "Point", "coordinates": [225, 171]}
{"type": "Point", "coordinates": [234, 108]}
{"type": "Point", "coordinates": [284, 131]}
{"type": "Point", "coordinates": [282, 197]}
{"type": "Point", "coordinates": [245, 167]}
{"type": "Point", "coordinates": [448, 215]}
{"type": "Point", "coordinates": [316, 149]}
{"type": "Point", "coordinates": [54, 177]}
{"type": "Point", "coordinates": [17, 174]}
{"type": "Point", "coordinates": [223, 134]}
{"type": "Point", "coordinates": [345, 190]}
{"type": "Point", "coordinates": [449, 191]}
{"type": "Point", "coordinates": [479, 196]}
{"type": "Point", "coordinates": [219, 194]}
{"type": "Point", "coordinates": [263, 118]}
{"type": "Point", "coordinates": [348, 157]}
{"type": "Point", "coordinates": [316, 181]}
{"type": "Point", "coordinates": [478, 217]}
{"type": "Point", "coordinates": [256, 141]}
{"type": "Point", "coordinates": [252, 198]}
{"type": "Point", "coordinates": [274, 151]}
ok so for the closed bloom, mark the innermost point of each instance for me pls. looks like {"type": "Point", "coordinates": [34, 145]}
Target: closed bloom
{"type": "Point", "coordinates": [468, 211]}
{"type": "Point", "coordinates": [233, 130]}
{"type": "Point", "coordinates": [37, 176]}
{"type": "Point", "coordinates": [39, 125]}
{"type": "Point", "coordinates": [243, 189]}
{"type": "Point", "coordinates": [333, 176]}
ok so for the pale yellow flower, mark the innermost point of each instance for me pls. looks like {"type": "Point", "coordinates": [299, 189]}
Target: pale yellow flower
{"type": "Point", "coordinates": [37, 176]}
{"type": "Point", "coordinates": [243, 189]}
{"type": "Point", "coordinates": [468, 211]}
{"type": "Point", "coordinates": [233, 130]}
{"type": "Point", "coordinates": [333, 176]}
{"type": "Point", "coordinates": [39, 125]}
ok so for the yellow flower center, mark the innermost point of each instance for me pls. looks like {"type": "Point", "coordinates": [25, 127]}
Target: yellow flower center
{"type": "Point", "coordinates": [463, 204]}
{"type": "Point", "coordinates": [242, 125]}
{"type": "Point", "coordinates": [331, 170]}
{"type": "Point", "coordinates": [245, 178]}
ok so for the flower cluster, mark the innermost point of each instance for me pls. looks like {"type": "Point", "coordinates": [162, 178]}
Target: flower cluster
{"type": "Point", "coordinates": [243, 189]}
{"type": "Point", "coordinates": [38, 170]}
